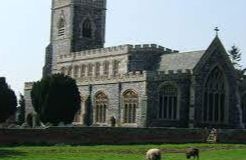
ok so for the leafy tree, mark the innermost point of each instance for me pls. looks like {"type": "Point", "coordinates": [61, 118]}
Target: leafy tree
{"type": "Point", "coordinates": [8, 101]}
{"type": "Point", "coordinates": [56, 99]}
{"type": "Point", "coordinates": [21, 110]}
{"type": "Point", "coordinates": [235, 55]}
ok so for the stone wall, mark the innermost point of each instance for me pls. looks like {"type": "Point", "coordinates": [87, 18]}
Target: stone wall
{"type": "Point", "coordinates": [116, 136]}
{"type": "Point", "coordinates": [91, 136]}
{"type": "Point", "coordinates": [232, 136]}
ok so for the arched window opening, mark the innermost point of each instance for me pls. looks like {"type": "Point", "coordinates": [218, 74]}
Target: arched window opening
{"type": "Point", "coordinates": [214, 98]}
{"type": "Point", "coordinates": [63, 70]}
{"type": "Point", "coordinates": [116, 67]}
{"type": "Point", "coordinates": [87, 29]}
{"type": "Point", "coordinates": [243, 100]}
{"type": "Point", "coordinates": [101, 103]}
{"type": "Point", "coordinates": [106, 68]}
{"type": "Point", "coordinates": [97, 69]}
{"type": "Point", "coordinates": [76, 72]}
{"type": "Point", "coordinates": [90, 70]}
{"type": "Point", "coordinates": [79, 116]}
{"type": "Point", "coordinates": [61, 26]}
{"type": "Point", "coordinates": [130, 106]}
{"type": "Point", "coordinates": [83, 70]}
{"type": "Point", "coordinates": [69, 71]}
{"type": "Point", "coordinates": [168, 102]}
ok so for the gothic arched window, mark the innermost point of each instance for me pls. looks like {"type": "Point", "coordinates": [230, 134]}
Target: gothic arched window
{"type": "Point", "coordinates": [214, 97]}
{"type": "Point", "coordinates": [90, 70]}
{"type": "Point", "coordinates": [106, 68]}
{"type": "Point", "coordinates": [87, 29]}
{"type": "Point", "coordinates": [168, 102]}
{"type": "Point", "coordinates": [63, 70]}
{"type": "Point", "coordinates": [243, 100]}
{"type": "Point", "coordinates": [79, 115]}
{"type": "Point", "coordinates": [69, 71]}
{"type": "Point", "coordinates": [83, 70]}
{"type": "Point", "coordinates": [101, 103]}
{"type": "Point", "coordinates": [130, 106]}
{"type": "Point", "coordinates": [115, 67]}
{"type": "Point", "coordinates": [76, 71]}
{"type": "Point", "coordinates": [97, 69]}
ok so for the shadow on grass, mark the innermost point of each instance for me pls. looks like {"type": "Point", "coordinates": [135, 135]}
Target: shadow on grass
{"type": "Point", "coordinates": [4, 153]}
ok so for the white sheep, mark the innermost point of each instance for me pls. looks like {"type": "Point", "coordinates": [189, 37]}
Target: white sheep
{"type": "Point", "coordinates": [153, 154]}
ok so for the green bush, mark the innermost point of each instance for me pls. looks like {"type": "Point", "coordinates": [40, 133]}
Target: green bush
{"type": "Point", "coordinates": [8, 101]}
{"type": "Point", "coordinates": [56, 99]}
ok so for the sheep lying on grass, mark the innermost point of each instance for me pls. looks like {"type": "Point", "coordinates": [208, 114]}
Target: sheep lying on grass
{"type": "Point", "coordinates": [153, 154]}
{"type": "Point", "coordinates": [192, 152]}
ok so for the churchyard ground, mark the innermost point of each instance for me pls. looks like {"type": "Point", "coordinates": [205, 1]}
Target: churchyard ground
{"type": "Point", "coordinates": [121, 152]}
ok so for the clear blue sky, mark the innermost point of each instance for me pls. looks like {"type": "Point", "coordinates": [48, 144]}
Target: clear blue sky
{"type": "Point", "coordinates": [178, 24]}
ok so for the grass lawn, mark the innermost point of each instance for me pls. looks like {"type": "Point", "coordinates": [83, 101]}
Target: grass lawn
{"type": "Point", "coordinates": [124, 152]}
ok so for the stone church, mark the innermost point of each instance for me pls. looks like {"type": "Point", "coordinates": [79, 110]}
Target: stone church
{"type": "Point", "coordinates": [143, 85]}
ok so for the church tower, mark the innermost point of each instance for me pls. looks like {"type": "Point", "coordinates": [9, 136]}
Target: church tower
{"type": "Point", "coordinates": [76, 25]}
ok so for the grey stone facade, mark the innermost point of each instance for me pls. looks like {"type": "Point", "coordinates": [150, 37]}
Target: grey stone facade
{"type": "Point", "coordinates": [168, 88]}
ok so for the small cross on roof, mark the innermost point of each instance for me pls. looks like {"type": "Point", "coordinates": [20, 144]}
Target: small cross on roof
{"type": "Point", "coordinates": [217, 30]}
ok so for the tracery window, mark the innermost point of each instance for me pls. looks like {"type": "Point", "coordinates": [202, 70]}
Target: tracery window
{"type": "Point", "coordinates": [97, 69]}
{"type": "Point", "coordinates": [90, 70]}
{"type": "Point", "coordinates": [115, 67]}
{"type": "Point", "coordinates": [168, 102]}
{"type": "Point", "coordinates": [101, 103]}
{"type": "Point", "coordinates": [243, 100]}
{"type": "Point", "coordinates": [87, 29]}
{"type": "Point", "coordinates": [214, 97]}
{"type": "Point", "coordinates": [76, 71]}
{"type": "Point", "coordinates": [130, 106]}
{"type": "Point", "coordinates": [69, 71]}
{"type": "Point", "coordinates": [83, 70]}
{"type": "Point", "coordinates": [63, 70]}
{"type": "Point", "coordinates": [106, 68]}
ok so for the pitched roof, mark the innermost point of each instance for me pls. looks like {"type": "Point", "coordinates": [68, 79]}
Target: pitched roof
{"type": "Point", "coordinates": [183, 60]}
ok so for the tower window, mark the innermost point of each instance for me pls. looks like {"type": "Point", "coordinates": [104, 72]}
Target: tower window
{"type": "Point", "coordinates": [61, 27]}
{"type": "Point", "coordinates": [87, 29]}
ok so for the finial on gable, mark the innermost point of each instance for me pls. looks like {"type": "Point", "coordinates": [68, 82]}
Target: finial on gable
{"type": "Point", "coordinates": [217, 31]}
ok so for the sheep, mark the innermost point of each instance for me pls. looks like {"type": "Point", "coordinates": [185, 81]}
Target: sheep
{"type": "Point", "coordinates": [192, 152]}
{"type": "Point", "coordinates": [153, 154]}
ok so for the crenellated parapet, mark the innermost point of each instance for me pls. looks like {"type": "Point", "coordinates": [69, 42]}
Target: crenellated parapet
{"type": "Point", "coordinates": [163, 75]}
{"type": "Point", "coordinates": [94, 3]}
{"type": "Point", "coordinates": [28, 85]}
{"type": "Point", "coordinates": [134, 77]}
{"type": "Point", "coordinates": [129, 77]}
{"type": "Point", "coordinates": [153, 47]}
{"type": "Point", "coordinates": [113, 51]}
